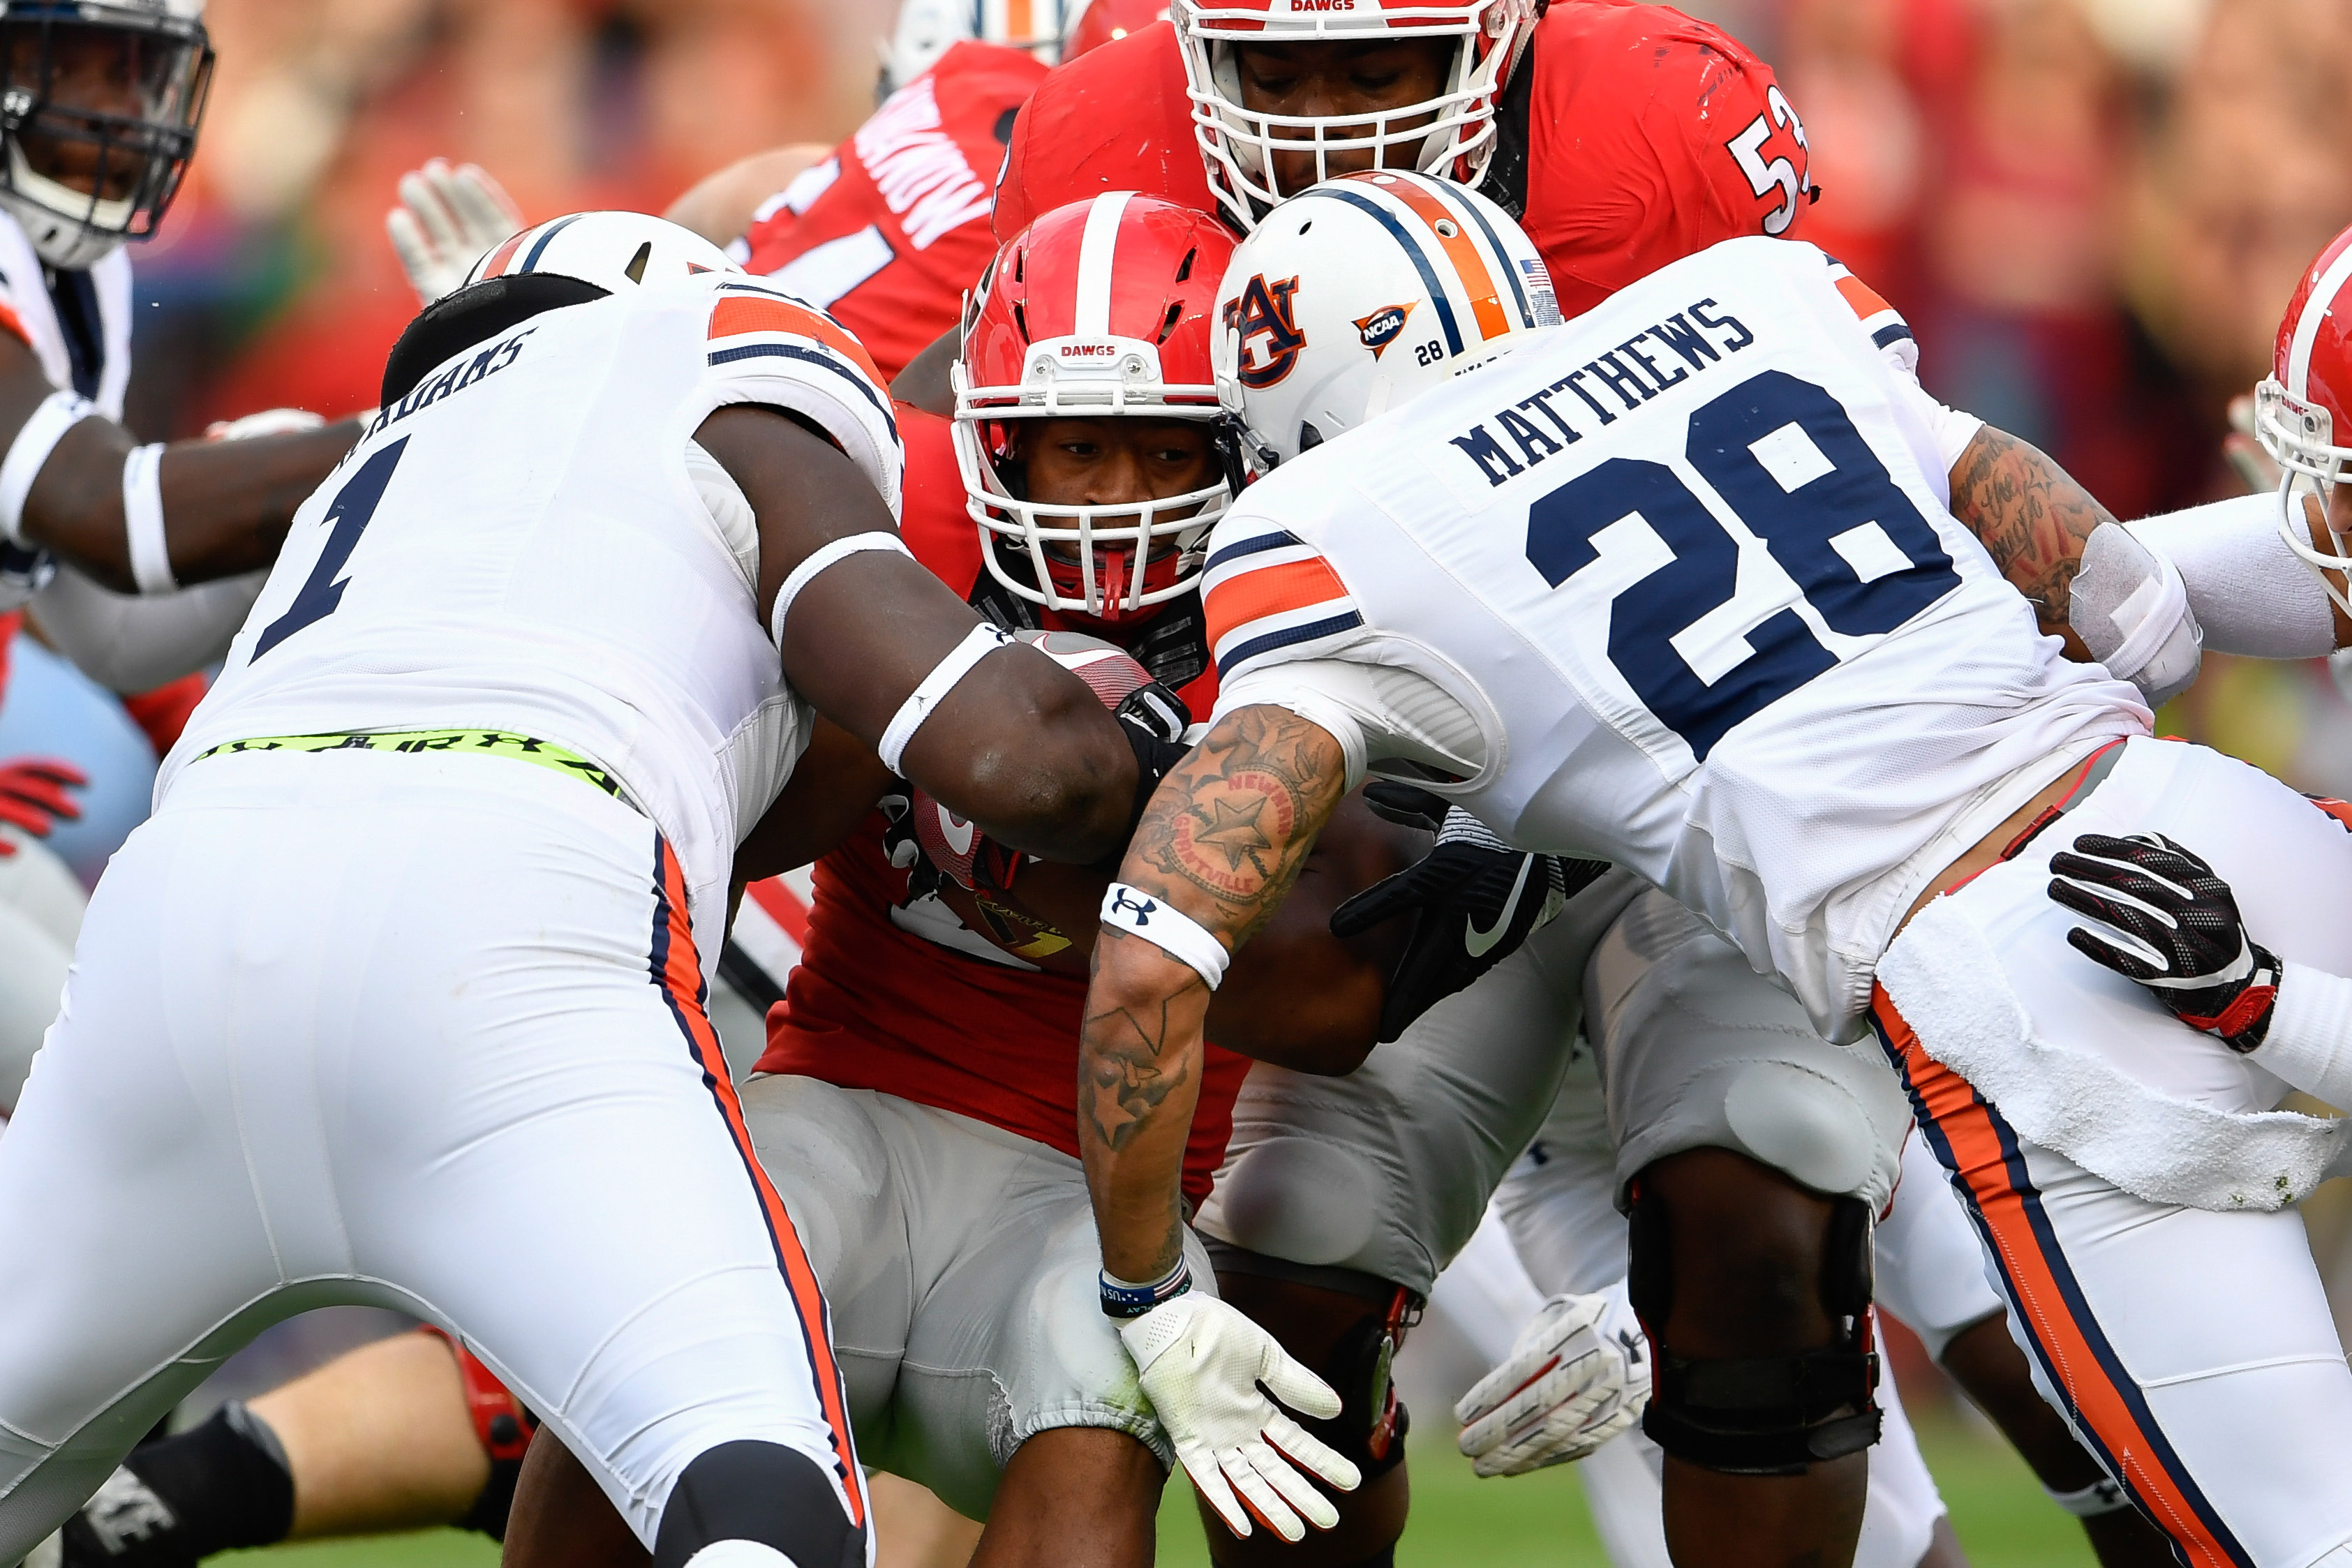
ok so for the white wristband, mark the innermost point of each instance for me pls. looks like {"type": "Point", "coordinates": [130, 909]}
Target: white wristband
{"type": "Point", "coordinates": [39, 435]}
{"type": "Point", "coordinates": [1166, 928]}
{"type": "Point", "coordinates": [824, 555]}
{"type": "Point", "coordinates": [978, 644]}
{"type": "Point", "coordinates": [142, 520]}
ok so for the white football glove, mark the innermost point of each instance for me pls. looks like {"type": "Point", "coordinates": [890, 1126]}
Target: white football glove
{"type": "Point", "coordinates": [1578, 1374]}
{"type": "Point", "coordinates": [268, 421]}
{"type": "Point", "coordinates": [446, 219]}
{"type": "Point", "coordinates": [1201, 1363]}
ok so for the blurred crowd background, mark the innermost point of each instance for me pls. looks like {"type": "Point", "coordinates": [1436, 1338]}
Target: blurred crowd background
{"type": "Point", "coordinates": [2093, 212]}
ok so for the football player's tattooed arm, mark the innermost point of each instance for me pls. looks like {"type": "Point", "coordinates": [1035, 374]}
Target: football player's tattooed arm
{"type": "Point", "coordinates": [1019, 746]}
{"type": "Point", "coordinates": [1223, 840]}
{"type": "Point", "coordinates": [833, 786]}
{"type": "Point", "coordinates": [226, 504]}
{"type": "Point", "coordinates": [2033, 520]}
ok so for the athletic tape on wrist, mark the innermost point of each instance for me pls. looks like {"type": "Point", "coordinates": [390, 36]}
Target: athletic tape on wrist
{"type": "Point", "coordinates": [59, 412]}
{"type": "Point", "coordinates": [1166, 928]}
{"type": "Point", "coordinates": [1121, 1299]}
{"type": "Point", "coordinates": [142, 520]}
{"type": "Point", "coordinates": [978, 644]}
{"type": "Point", "coordinates": [2102, 1496]}
{"type": "Point", "coordinates": [824, 555]}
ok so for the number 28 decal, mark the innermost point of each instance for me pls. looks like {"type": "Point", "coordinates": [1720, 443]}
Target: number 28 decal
{"type": "Point", "coordinates": [1785, 457]}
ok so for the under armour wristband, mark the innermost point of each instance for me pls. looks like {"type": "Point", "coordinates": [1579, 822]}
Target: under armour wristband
{"type": "Point", "coordinates": [1122, 1300]}
{"type": "Point", "coordinates": [1166, 928]}
{"type": "Point", "coordinates": [978, 644]}
{"type": "Point", "coordinates": [36, 439]}
{"type": "Point", "coordinates": [142, 520]}
{"type": "Point", "coordinates": [2101, 1496]}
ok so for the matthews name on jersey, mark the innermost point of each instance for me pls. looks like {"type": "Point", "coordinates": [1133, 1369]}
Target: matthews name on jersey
{"type": "Point", "coordinates": [888, 232]}
{"type": "Point", "coordinates": [573, 568]}
{"type": "Point", "coordinates": [1675, 586]}
{"type": "Point", "coordinates": [1630, 134]}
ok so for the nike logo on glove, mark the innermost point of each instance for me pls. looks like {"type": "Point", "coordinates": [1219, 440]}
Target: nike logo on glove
{"type": "Point", "coordinates": [955, 830]}
{"type": "Point", "coordinates": [1480, 942]}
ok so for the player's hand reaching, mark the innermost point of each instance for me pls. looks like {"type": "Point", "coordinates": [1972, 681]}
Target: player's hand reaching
{"type": "Point", "coordinates": [1474, 899]}
{"type": "Point", "coordinates": [1578, 1374]}
{"type": "Point", "coordinates": [2184, 939]}
{"type": "Point", "coordinates": [33, 796]}
{"type": "Point", "coordinates": [446, 218]}
{"type": "Point", "coordinates": [1201, 1363]}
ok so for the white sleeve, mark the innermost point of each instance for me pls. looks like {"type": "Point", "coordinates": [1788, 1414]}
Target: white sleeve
{"type": "Point", "coordinates": [764, 346]}
{"type": "Point", "coordinates": [1377, 713]}
{"type": "Point", "coordinates": [2249, 592]}
{"type": "Point", "coordinates": [2309, 1042]}
{"type": "Point", "coordinates": [132, 643]}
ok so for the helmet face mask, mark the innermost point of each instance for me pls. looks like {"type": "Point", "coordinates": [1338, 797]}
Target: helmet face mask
{"type": "Point", "coordinates": [98, 108]}
{"type": "Point", "coordinates": [1450, 132]}
{"type": "Point", "coordinates": [1057, 333]}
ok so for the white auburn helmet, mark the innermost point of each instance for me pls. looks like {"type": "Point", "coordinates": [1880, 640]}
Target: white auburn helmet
{"type": "Point", "coordinates": [1360, 293]}
{"type": "Point", "coordinates": [1451, 134]}
{"type": "Point", "coordinates": [137, 146]}
{"type": "Point", "coordinates": [612, 250]}
{"type": "Point", "coordinates": [930, 29]}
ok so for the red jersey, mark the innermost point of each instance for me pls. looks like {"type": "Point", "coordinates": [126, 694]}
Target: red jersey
{"type": "Point", "coordinates": [898, 996]}
{"type": "Point", "coordinates": [888, 232]}
{"type": "Point", "coordinates": [1629, 136]}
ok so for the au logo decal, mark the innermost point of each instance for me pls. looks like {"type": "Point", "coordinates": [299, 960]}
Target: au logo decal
{"type": "Point", "coordinates": [1269, 332]}
{"type": "Point", "coordinates": [1380, 329]}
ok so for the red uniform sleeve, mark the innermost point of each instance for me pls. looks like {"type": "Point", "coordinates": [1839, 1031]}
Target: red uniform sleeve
{"type": "Point", "coordinates": [1652, 136]}
{"type": "Point", "coordinates": [1115, 118]}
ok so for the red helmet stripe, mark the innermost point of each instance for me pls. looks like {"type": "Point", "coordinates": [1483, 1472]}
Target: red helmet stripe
{"type": "Point", "coordinates": [504, 254]}
{"type": "Point", "coordinates": [1478, 280]}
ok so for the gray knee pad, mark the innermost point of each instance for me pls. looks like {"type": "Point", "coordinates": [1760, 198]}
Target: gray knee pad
{"type": "Point", "coordinates": [763, 1493]}
{"type": "Point", "coordinates": [1763, 1416]}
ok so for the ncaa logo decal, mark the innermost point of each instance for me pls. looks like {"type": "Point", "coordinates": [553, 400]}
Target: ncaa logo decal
{"type": "Point", "coordinates": [1264, 310]}
{"type": "Point", "coordinates": [1380, 329]}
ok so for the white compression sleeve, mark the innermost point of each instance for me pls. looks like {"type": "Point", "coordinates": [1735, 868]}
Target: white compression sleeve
{"type": "Point", "coordinates": [2249, 593]}
{"type": "Point", "coordinates": [142, 520]}
{"type": "Point", "coordinates": [2309, 1044]}
{"type": "Point", "coordinates": [127, 643]}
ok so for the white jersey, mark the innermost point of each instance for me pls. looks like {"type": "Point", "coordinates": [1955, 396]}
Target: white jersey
{"type": "Point", "coordinates": [519, 545]}
{"type": "Point", "coordinates": [79, 325]}
{"type": "Point", "coordinates": [1675, 585]}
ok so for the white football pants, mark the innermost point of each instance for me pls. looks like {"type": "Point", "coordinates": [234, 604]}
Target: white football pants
{"type": "Point", "coordinates": [40, 915]}
{"type": "Point", "coordinates": [417, 1031]}
{"type": "Point", "coordinates": [2189, 1346]}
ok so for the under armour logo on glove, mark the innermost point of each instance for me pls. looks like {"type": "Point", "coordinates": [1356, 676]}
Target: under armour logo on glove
{"type": "Point", "coordinates": [2184, 939]}
{"type": "Point", "coordinates": [1474, 899]}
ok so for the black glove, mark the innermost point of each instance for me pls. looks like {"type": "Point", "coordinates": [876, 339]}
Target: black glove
{"type": "Point", "coordinates": [2205, 967]}
{"type": "Point", "coordinates": [1474, 900]}
{"type": "Point", "coordinates": [1154, 719]}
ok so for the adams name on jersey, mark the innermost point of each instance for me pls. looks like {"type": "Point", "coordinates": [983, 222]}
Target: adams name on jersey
{"type": "Point", "coordinates": [1681, 591]}
{"type": "Point", "coordinates": [562, 571]}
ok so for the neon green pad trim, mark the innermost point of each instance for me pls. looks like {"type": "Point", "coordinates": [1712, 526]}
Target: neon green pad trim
{"type": "Point", "coordinates": [481, 742]}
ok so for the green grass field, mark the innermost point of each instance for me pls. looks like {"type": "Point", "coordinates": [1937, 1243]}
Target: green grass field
{"type": "Point", "coordinates": [1460, 1521]}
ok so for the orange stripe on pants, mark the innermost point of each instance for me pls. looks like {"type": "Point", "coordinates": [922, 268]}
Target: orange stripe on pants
{"type": "Point", "coordinates": [1973, 1142]}
{"type": "Point", "coordinates": [678, 971]}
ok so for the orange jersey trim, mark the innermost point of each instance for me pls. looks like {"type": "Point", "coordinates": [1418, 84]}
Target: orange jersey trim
{"type": "Point", "coordinates": [679, 971]}
{"type": "Point", "coordinates": [1861, 298]}
{"type": "Point", "coordinates": [1486, 300]}
{"type": "Point", "coordinates": [1971, 1139]}
{"type": "Point", "coordinates": [1269, 590]}
{"type": "Point", "coordinates": [739, 314]}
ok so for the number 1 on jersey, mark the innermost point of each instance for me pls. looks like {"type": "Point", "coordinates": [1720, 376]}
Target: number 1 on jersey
{"type": "Point", "coordinates": [353, 506]}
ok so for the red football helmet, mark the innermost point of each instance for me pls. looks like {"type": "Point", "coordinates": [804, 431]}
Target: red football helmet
{"type": "Point", "coordinates": [1451, 134]}
{"type": "Point", "coordinates": [1102, 309]}
{"type": "Point", "coordinates": [1100, 21]}
{"type": "Point", "coordinates": [2308, 395]}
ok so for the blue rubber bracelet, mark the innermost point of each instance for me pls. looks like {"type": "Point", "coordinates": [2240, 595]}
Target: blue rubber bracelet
{"type": "Point", "coordinates": [1121, 1300]}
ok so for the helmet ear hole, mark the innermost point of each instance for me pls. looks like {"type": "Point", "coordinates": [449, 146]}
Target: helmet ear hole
{"type": "Point", "coordinates": [635, 270]}
{"type": "Point", "coordinates": [1309, 437]}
